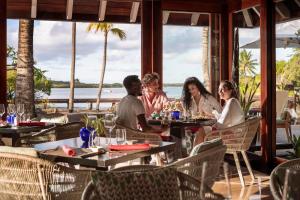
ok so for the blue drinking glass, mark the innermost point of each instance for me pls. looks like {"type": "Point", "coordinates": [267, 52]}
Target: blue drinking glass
{"type": "Point", "coordinates": [176, 115]}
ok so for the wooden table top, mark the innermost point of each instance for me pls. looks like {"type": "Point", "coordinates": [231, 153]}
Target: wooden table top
{"type": "Point", "coordinates": [50, 151]}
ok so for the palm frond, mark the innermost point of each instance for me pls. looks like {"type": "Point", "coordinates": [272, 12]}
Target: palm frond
{"type": "Point", "coordinates": [119, 32]}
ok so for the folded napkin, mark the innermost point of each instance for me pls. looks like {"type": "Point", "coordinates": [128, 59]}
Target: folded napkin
{"type": "Point", "coordinates": [129, 147]}
{"type": "Point", "coordinates": [68, 150]}
{"type": "Point", "coordinates": [31, 124]}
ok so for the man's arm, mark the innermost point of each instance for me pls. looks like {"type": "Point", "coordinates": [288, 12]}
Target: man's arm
{"type": "Point", "coordinates": [143, 123]}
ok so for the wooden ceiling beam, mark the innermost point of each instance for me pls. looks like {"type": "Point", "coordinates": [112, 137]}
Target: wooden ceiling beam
{"type": "Point", "coordinates": [297, 2]}
{"type": "Point", "coordinates": [33, 9]}
{"type": "Point", "coordinates": [69, 9]}
{"type": "Point", "coordinates": [102, 10]}
{"type": "Point", "coordinates": [166, 15]}
{"type": "Point", "coordinates": [248, 18]}
{"type": "Point", "coordinates": [195, 19]}
{"type": "Point", "coordinates": [256, 11]}
{"type": "Point", "coordinates": [192, 6]}
{"type": "Point", "coordinates": [134, 11]}
{"type": "Point", "coordinates": [238, 5]}
{"type": "Point", "coordinates": [282, 10]}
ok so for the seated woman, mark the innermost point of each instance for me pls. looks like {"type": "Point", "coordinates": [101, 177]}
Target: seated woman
{"type": "Point", "coordinates": [197, 100]}
{"type": "Point", "coordinates": [153, 98]}
{"type": "Point", "coordinates": [231, 115]}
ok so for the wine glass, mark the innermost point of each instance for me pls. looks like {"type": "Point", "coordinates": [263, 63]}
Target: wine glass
{"type": "Point", "coordinates": [109, 123]}
{"type": "Point", "coordinates": [12, 112]}
{"type": "Point", "coordinates": [20, 110]}
{"type": "Point", "coordinates": [121, 136]}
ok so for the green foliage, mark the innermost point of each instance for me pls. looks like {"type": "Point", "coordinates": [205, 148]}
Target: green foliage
{"type": "Point", "coordinates": [249, 82]}
{"type": "Point", "coordinates": [12, 55]}
{"type": "Point", "coordinates": [97, 124]}
{"type": "Point", "coordinates": [247, 94]}
{"type": "Point", "coordinates": [247, 65]}
{"type": "Point", "coordinates": [296, 146]}
{"type": "Point", "coordinates": [106, 28]}
{"type": "Point", "coordinates": [42, 85]}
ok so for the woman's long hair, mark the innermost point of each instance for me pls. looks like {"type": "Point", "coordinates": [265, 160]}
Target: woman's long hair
{"type": "Point", "coordinates": [186, 95]}
{"type": "Point", "coordinates": [229, 85]}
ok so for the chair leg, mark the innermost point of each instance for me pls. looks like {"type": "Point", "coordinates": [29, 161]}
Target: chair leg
{"type": "Point", "coordinates": [287, 132]}
{"type": "Point", "coordinates": [238, 167]}
{"type": "Point", "coordinates": [248, 164]}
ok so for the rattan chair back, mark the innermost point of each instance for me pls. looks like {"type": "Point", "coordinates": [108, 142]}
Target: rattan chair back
{"type": "Point", "coordinates": [29, 178]}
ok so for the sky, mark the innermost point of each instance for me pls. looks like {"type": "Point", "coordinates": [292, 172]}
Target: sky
{"type": "Point", "coordinates": [182, 50]}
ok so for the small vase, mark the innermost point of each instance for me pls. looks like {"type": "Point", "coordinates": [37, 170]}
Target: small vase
{"type": "Point", "coordinates": [85, 133]}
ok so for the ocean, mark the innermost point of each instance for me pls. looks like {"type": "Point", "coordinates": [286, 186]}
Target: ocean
{"type": "Point", "coordinates": [85, 93]}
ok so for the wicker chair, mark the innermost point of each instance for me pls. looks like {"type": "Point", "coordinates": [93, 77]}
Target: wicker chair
{"type": "Point", "coordinates": [29, 178]}
{"type": "Point", "coordinates": [132, 134]}
{"type": "Point", "coordinates": [189, 188]}
{"type": "Point", "coordinates": [210, 152]}
{"type": "Point", "coordinates": [238, 139]}
{"type": "Point", "coordinates": [57, 132]}
{"type": "Point", "coordinates": [278, 175]}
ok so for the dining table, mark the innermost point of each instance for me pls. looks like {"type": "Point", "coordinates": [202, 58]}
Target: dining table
{"type": "Point", "coordinates": [102, 160]}
{"type": "Point", "coordinates": [16, 132]}
{"type": "Point", "coordinates": [178, 131]}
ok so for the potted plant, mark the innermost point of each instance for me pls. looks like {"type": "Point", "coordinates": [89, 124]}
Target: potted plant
{"type": "Point", "coordinates": [296, 146]}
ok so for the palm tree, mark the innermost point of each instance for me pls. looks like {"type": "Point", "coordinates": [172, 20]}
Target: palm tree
{"type": "Point", "coordinates": [25, 70]}
{"type": "Point", "coordinates": [71, 98]}
{"type": "Point", "coordinates": [205, 65]}
{"type": "Point", "coordinates": [105, 28]}
{"type": "Point", "coordinates": [247, 64]}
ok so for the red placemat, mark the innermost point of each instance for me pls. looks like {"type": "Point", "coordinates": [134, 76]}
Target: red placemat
{"type": "Point", "coordinates": [129, 147]}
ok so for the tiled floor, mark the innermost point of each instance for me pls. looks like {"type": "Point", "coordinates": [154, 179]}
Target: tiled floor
{"type": "Point", "coordinates": [259, 189]}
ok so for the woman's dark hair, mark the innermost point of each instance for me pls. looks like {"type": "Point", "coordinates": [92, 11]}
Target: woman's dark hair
{"type": "Point", "coordinates": [229, 85]}
{"type": "Point", "coordinates": [186, 95]}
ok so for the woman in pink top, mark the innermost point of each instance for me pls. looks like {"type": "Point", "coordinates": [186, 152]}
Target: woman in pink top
{"type": "Point", "coordinates": [153, 98]}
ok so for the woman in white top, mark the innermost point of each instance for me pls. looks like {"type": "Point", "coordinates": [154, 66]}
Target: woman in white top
{"type": "Point", "coordinates": [197, 100]}
{"type": "Point", "coordinates": [231, 115]}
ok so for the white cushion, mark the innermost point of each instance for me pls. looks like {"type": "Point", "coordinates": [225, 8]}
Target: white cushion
{"type": "Point", "coordinates": [19, 150]}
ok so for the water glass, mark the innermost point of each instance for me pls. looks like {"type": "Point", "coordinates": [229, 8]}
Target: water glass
{"type": "Point", "coordinates": [20, 111]}
{"type": "Point", "coordinates": [121, 136]}
{"type": "Point", "coordinates": [109, 123]}
{"type": "Point", "coordinates": [11, 108]}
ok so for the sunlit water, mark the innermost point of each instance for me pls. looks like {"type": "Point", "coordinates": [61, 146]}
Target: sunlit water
{"type": "Point", "coordinates": [91, 93]}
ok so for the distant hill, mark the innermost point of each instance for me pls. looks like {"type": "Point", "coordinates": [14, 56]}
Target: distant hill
{"type": "Point", "coordinates": [78, 84]}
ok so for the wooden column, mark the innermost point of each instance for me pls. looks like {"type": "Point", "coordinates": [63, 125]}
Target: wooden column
{"type": "Point", "coordinates": [214, 32]}
{"type": "Point", "coordinates": [224, 53]}
{"type": "Point", "coordinates": [268, 82]}
{"type": "Point", "coordinates": [151, 25]}
{"type": "Point", "coordinates": [3, 46]}
{"type": "Point", "coordinates": [230, 43]}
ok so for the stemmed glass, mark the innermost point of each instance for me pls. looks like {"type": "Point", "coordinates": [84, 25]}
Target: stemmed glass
{"type": "Point", "coordinates": [12, 112]}
{"type": "Point", "coordinates": [20, 111]}
{"type": "Point", "coordinates": [109, 123]}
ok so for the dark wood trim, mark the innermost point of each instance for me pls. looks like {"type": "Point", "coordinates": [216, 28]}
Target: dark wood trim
{"type": "Point", "coordinates": [157, 40]}
{"type": "Point", "coordinates": [193, 6]}
{"type": "Point", "coordinates": [224, 53]}
{"type": "Point", "coordinates": [230, 35]}
{"type": "Point", "coordinates": [237, 5]}
{"type": "Point", "coordinates": [268, 85]}
{"type": "Point", "coordinates": [214, 34]}
{"type": "Point", "coordinates": [152, 42]}
{"type": "Point", "coordinates": [3, 46]}
{"type": "Point", "coordinates": [146, 38]}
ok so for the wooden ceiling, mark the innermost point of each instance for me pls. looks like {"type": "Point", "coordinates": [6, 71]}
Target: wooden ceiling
{"type": "Point", "coordinates": [175, 12]}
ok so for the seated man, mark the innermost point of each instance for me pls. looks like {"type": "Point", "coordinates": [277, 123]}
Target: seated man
{"type": "Point", "coordinates": [130, 111]}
